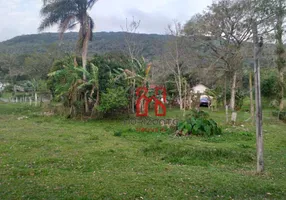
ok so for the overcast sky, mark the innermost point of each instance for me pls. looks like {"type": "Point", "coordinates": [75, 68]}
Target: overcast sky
{"type": "Point", "coordinates": [20, 17]}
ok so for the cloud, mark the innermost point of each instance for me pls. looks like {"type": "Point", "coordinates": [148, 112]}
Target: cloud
{"type": "Point", "coordinates": [155, 16]}
{"type": "Point", "coordinates": [149, 22]}
{"type": "Point", "coordinates": [19, 17]}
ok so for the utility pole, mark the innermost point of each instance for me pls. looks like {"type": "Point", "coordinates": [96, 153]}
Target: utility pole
{"type": "Point", "coordinates": [259, 134]}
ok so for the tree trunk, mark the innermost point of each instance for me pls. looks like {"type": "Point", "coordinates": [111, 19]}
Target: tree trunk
{"type": "Point", "coordinates": [281, 80]}
{"type": "Point", "coordinates": [84, 57]}
{"type": "Point", "coordinates": [280, 50]}
{"type": "Point", "coordinates": [259, 133]}
{"type": "Point", "coordinates": [133, 96]}
{"type": "Point", "coordinates": [185, 99]}
{"type": "Point", "coordinates": [225, 100]}
{"type": "Point", "coordinates": [86, 36]}
{"type": "Point", "coordinates": [233, 88]}
{"type": "Point", "coordinates": [86, 104]}
{"type": "Point", "coordinates": [97, 97]}
{"type": "Point", "coordinates": [251, 97]}
{"type": "Point", "coordinates": [226, 113]}
{"type": "Point", "coordinates": [179, 74]}
{"type": "Point", "coordinates": [84, 60]}
{"type": "Point", "coordinates": [180, 92]}
{"type": "Point", "coordinates": [36, 99]}
{"type": "Point", "coordinates": [225, 91]}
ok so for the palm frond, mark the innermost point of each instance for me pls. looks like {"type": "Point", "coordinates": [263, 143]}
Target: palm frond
{"type": "Point", "coordinates": [56, 11]}
{"type": "Point", "coordinates": [90, 3]}
{"type": "Point", "coordinates": [66, 24]}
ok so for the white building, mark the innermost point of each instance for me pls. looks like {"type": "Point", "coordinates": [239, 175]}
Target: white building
{"type": "Point", "coordinates": [200, 88]}
{"type": "Point", "coordinates": [2, 86]}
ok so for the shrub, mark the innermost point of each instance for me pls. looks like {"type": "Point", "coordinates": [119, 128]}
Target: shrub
{"type": "Point", "coordinates": [9, 88]}
{"type": "Point", "coordinates": [118, 133]}
{"type": "Point", "coordinates": [239, 98]}
{"type": "Point", "coordinates": [112, 100]}
{"type": "Point", "coordinates": [281, 114]}
{"type": "Point", "coordinates": [269, 85]}
{"type": "Point", "coordinates": [274, 104]}
{"type": "Point", "coordinates": [198, 123]}
{"type": "Point", "coordinates": [198, 114]}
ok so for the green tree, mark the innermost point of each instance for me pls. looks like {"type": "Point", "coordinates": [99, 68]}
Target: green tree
{"type": "Point", "coordinates": [38, 64]}
{"type": "Point", "coordinates": [223, 29]}
{"type": "Point", "coordinates": [36, 86]}
{"type": "Point", "coordinates": [280, 15]}
{"type": "Point", "coordinates": [12, 68]}
{"type": "Point", "coordinates": [275, 12]}
{"type": "Point", "coordinates": [269, 84]}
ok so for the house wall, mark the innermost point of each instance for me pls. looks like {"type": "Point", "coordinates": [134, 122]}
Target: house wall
{"type": "Point", "coordinates": [199, 88]}
{"type": "Point", "coordinates": [2, 86]}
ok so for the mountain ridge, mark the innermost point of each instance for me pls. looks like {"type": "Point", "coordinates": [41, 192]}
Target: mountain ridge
{"type": "Point", "coordinates": [103, 42]}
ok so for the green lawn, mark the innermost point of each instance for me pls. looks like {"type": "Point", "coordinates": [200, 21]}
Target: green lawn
{"type": "Point", "coordinates": [55, 158]}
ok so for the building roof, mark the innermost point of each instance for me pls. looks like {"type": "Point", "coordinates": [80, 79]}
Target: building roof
{"type": "Point", "coordinates": [200, 88]}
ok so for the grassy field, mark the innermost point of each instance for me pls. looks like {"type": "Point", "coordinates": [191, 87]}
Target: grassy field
{"type": "Point", "coordinates": [55, 158]}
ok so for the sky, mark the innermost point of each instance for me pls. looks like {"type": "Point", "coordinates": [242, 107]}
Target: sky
{"type": "Point", "coordinates": [20, 17]}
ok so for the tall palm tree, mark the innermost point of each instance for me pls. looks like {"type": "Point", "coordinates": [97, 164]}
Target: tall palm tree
{"type": "Point", "coordinates": [67, 14]}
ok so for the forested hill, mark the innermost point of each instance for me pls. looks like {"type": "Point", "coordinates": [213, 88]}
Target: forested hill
{"type": "Point", "coordinates": [150, 44]}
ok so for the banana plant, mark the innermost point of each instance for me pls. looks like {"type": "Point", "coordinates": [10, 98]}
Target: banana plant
{"type": "Point", "coordinates": [68, 81]}
{"type": "Point", "coordinates": [137, 76]}
{"type": "Point", "coordinates": [93, 81]}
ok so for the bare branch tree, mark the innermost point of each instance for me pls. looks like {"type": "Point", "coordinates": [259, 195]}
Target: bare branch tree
{"type": "Point", "coordinates": [133, 49]}
{"type": "Point", "coordinates": [223, 29]}
{"type": "Point", "coordinates": [178, 57]}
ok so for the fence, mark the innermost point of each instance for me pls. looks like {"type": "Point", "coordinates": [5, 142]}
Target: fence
{"type": "Point", "coordinates": [36, 99]}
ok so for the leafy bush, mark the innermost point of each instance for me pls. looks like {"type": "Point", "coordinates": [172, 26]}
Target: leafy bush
{"type": "Point", "coordinates": [118, 133]}
{"type": "Point", "coordinates": [282, 115]}
{"type": "Point", "coordinates": [269, 84]}
{"type": "Point", "coordinates": [239, 98]}
{"type": "Point", "coordinates": [248, 134]}
{"type": "Point", "coordinates": [198, 123]}
{"type": "Point", "coordinates": [35, 85]}
{"type": "Point", "coordinates": [274, 104]}
{"type": "Point", "coordinates": [9, 88]}
{"type": "Point", "coordinates": [198, 114]}
{"type": "Point", "coordinates": [113, 99]}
